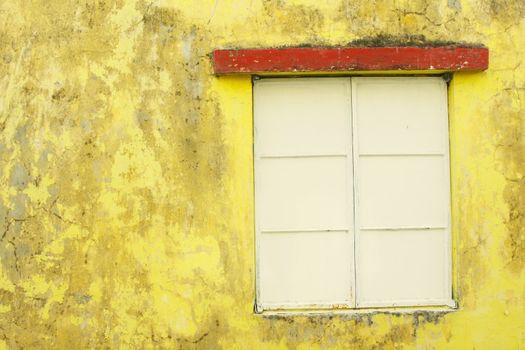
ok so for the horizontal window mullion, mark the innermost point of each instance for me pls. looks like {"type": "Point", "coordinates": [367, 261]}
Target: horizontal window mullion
{"type": "Point", "coordinates": [283, 156]}
{"type": "Point", "coordinates": [402, 154]}
{"type": "Point", "coordinates": [313, 230]}
{"type": "Point", "coordinates": [403, 228]}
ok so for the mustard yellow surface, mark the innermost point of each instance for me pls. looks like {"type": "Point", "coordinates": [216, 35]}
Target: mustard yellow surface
{"type": "Point", "coordinates": [126, 197]}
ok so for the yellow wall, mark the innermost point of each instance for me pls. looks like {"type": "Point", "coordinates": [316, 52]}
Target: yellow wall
{"type": "Point", "coordinates": [126, 202]}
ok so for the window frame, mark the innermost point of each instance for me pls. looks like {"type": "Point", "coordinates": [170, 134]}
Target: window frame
{"type": "Point", "coordinates": [353, 127]}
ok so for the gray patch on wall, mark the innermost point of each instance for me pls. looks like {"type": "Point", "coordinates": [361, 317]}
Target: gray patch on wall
{"type": "Point", "coordinates": [455, 4]}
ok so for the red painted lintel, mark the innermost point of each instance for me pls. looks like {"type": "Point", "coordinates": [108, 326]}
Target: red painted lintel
{"type": "Point", "coordinates": [341, 59]}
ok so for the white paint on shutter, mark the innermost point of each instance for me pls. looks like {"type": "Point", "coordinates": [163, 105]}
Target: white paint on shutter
{"type": "Point", "coordinates": [402, 191]}
{"type": "Point", "coordinates": [303, 193]}
{"type": "Point", "coordinates": [405, 267]}
{"type": "Point", "coordinates": [301, 116]}
{"type": "Point", "coordinates": [305, 269]}
{"type": "Point", "coordinates": [401, 115]}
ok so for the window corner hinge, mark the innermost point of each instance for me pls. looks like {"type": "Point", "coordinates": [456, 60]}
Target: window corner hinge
{"type": "Point", "coordinates": [447, 77]}
{"type": "Point", "coordinates": [453, 304]}
{"type": "Point", "coordinates": [257, 308]}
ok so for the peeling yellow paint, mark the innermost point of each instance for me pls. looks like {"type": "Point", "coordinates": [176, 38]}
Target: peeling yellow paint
{"type": "Point", "coordinates": [126, 209]}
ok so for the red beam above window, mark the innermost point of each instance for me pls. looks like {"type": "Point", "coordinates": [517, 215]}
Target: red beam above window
{"type": "Point", "coordinates": [309, 59]}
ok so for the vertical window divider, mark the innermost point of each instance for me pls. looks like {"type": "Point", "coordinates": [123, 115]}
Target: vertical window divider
{"type": "Point", "coordinates": [449, 238]}
{"type": "Point", "coordinates": [354, 153]}
{"type": "Point", "coordinates": [257, 284]}
{"type": "Point", "coordinates": [350, 190]}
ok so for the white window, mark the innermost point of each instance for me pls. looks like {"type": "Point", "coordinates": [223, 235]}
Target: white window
{"type": "Point", "coordinates": [352, 192]}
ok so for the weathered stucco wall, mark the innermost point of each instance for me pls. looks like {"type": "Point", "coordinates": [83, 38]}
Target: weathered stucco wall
{"type": "Point", "coordinates": [126, 202]}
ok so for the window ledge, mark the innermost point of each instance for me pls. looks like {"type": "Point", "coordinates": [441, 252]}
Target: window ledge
{"type": "Point", "coordinates": [358, 313]}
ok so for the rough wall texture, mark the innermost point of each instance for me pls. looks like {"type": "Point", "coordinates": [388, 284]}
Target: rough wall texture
{"type": "Point", "coordinates": [126, 202]}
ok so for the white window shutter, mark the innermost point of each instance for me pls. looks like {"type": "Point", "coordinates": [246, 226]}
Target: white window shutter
{"type": "Point", "coordinates": [402, 191]}
{"type": "Point", "coordinates": [303, 189]}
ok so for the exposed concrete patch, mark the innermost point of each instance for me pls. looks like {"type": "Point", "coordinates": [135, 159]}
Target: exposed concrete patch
{"type": "Point", "coordinates": [19, 176]}
{"type": "Point", "coordinates": [455, 4]}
